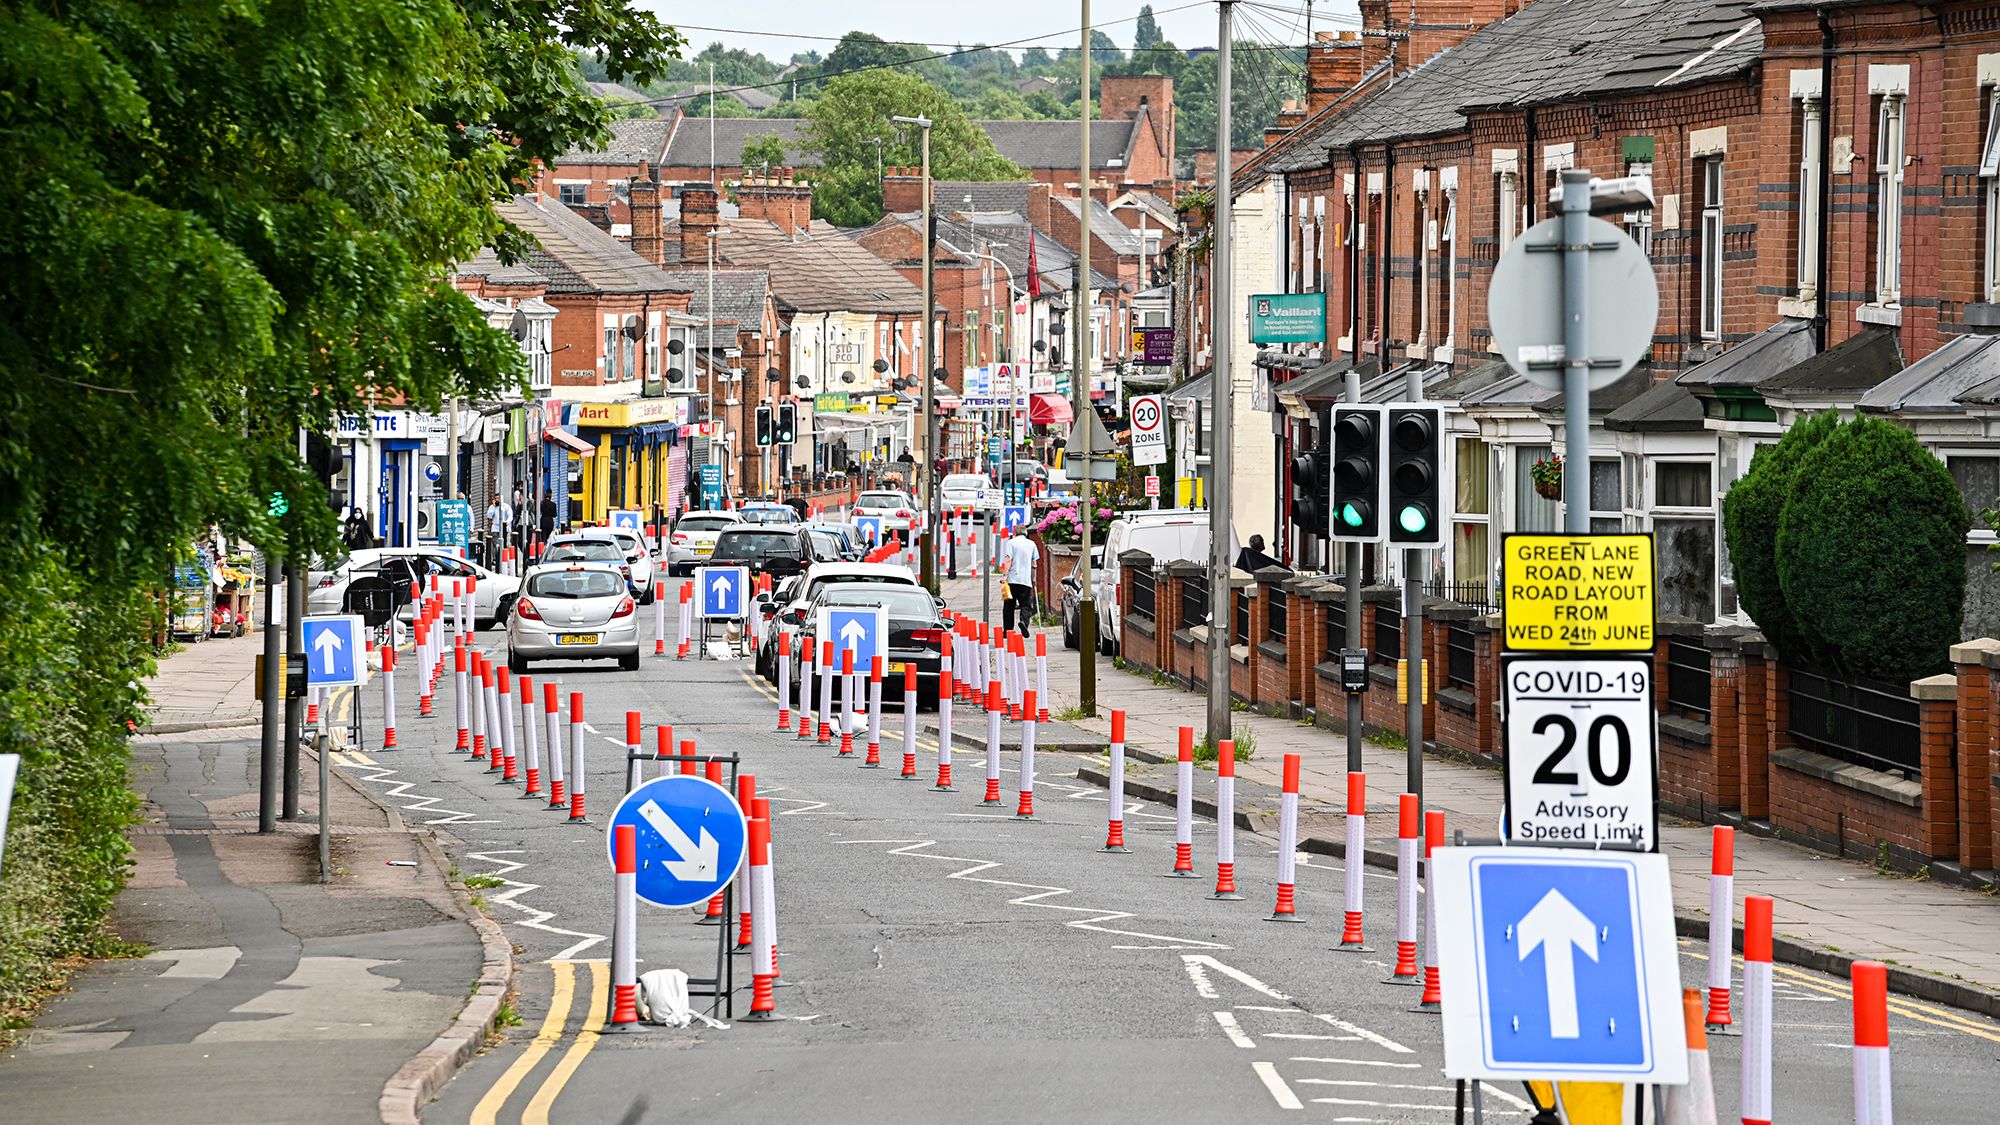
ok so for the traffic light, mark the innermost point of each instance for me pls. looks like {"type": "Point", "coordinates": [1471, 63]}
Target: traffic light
{"type": "Point", "coordinates": [1416, 518]}
{"type": "Point", "coordinates": [1309, 484]}
{"type": "Point", "coordinates": [788, 424]}
{"type": "Point", "coordinates": [763, 426]}
{"type": "Point", "coordinates": [1358, 493]}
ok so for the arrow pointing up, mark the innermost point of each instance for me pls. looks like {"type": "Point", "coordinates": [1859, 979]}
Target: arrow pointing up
{"type": "Point", "coordinates": [851, 634]}
{"type": "Point", "coordinates": [697, 862]}
{"type": "Point", "coordinates": [1559, 928]}
{"type": "Point", "coordinates": [326, 643]}
{"type": "Point", "coordinates": [722, 586]}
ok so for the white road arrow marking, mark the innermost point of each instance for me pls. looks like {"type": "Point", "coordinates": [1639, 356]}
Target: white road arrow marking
{"type": "Point", "coordinates": [1559, 928]}
{"type": "Point", "coordinates": [328, 642]}
{"type": "Point", "coordinates": [698, 862]}
{"type": "Point", "coordinates": [851, 634]}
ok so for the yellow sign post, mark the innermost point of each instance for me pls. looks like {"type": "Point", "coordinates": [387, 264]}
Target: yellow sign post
{"type": "Point", "coordinates": [1577, 593]}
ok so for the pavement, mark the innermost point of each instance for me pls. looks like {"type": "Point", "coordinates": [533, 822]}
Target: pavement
{"type": "Point", "coordinates": [1941, 943]}
{"type": "Point", "coordinates": [266, 996]}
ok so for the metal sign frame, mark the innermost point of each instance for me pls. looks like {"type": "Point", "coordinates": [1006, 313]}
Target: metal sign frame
{"type": "Point", "coordinates": [720, 988]}
{"type": "Point", "coordinates": [1580, 746]}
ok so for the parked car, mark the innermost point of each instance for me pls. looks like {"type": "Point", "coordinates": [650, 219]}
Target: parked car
{"type": "Point", "coordinates": [777, 550]}
{"type": "Point", "coordinates": [694, 538]}
{"type": "Point", "coordinates": [638, 558]}
{"type": "Point", "coordinates": [788, 601]}
{"type": "Point", "coordinates": [895, 509]}
{"type": "Point", "coordinates": [574, 611]}
{"type": "Point", "coordinates": [591, 547]}
{"type": "Point", "coordinates": [853, 543]}
{"type": "Point", "coordinates": [1168, 535]}
{"type": "Point", "coordinates": [916, 630]}
{"type": "Point", "coordinates": [1071, 597]}
{"type": "Point", "coordinates": [969, 490]}
{"type": "Point", "coordinates": [764, 511]}
{"type": "Point", "coordinates": [491, 598]}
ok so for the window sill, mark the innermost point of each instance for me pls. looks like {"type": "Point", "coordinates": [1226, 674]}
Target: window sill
{"type": "Point", "coordinates": [1416, 351]}
{"type": "Point", "coordinates": [1889, 315]}
{"type": "Point", "coordinates": [1799, 308]}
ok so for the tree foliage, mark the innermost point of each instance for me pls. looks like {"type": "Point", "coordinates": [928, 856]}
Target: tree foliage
{"type": "Point", "coordinates": [766, 150]}
{"type": "Point", "coordinates": [1146, 32]}
{"type": "Point", "coordinates": [854, 112]}
{"type": "Point", "coordinates": [1750, 514]}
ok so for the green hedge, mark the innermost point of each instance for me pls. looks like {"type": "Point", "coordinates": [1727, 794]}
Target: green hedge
{"type": "Point", "coordinates": [1750, 514]}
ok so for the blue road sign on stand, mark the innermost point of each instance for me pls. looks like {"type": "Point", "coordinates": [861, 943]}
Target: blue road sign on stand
{"type": "Point", "coordinates": [725, 591]}
{"type": "Point", "coordinates": [627, 519]}
{"type": "Point", "coordinates": [691, 837]}
{"type": "Point", "coordinates": [1559, 964]}
{"type": "Point", "coordinates": [454, 523]}
{"type": "Point", "coordinates": [870, 528]}
{"type": "Point", "coordinates": [333, 650]}
{"type": "Point", "coordinates": [1014, 517]}
{"type": "Point", "coordinates": [711, 486]}
{"type": "Point", "coordinates": [863, 628]}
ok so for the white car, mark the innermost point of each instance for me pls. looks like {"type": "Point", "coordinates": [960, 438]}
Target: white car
{"type": "Point", "coordinates": [639, 560]}
{"type": "Point", "coordinates": [1168, 535]}
{"type": "Point", "coordinates": [491, 599]}
{"type": "Point", "coordinates": [969, 490]}
{"type": "Point", "coordinates": [574, 611]}
{"type": "Point", "coordinates": [895, 509]}
{"type": "Point", "coordinates": [788, 601]}
{"type": "Point", "coordinates": [693, 539]}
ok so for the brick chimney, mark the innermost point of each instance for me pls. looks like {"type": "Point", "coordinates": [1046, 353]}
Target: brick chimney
{"type": "Point", "coordinates": [648, 223]}
{"type": "Point", "coordinates": [1431, 26]}
{"type": "Point", "coordinates": [1038, 206]}
{"type": "Point", "coordinates": [1333, 67]}
{"type": "Point", "coordinates": [697, 219]}
{"type": "Point", "coordinates": [902, 190]}
{"type": "Point", "coordinates": [776, 198]}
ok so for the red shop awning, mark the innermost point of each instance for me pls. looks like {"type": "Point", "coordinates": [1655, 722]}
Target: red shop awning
{"type": "Point", "coordinates": [570, 441]}
{"type": "Point", "coordinates": [1049, 410]}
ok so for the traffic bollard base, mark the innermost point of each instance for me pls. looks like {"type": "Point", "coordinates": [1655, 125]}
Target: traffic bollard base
{"type": "Point", "coordinates": [1354, 947]}
{"type": "Point", "coordinates": [1227, 896]}
{"type": "Point", "coordinates": [1115, 848]}
{"type": "Point", "coordinates": [1431, 1007]}
{"type": "Point", "coordinates": [1285, 918]}
{"type": "Point", "coordinates": [1179, 874]}
{"type": "Point", "coordinates": [1403, 980]}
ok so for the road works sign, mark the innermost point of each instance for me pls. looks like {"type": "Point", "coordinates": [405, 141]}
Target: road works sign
{"type": "Point", "coordinates": [1560, 965]}
{"type": "Point", "coordinates": [333, 650]}
{"type": "Point", "coordinates": [691, 838]}
{"type": "Point", "coordinates": [1577, 593]}
{"type": "Point", "coordinates": [1581, 741]}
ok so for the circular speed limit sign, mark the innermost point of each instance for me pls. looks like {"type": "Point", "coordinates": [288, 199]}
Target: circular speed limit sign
{"type": "Point", "coordinates": [1146, 413]}
{"type": "Point", "coordinates": [1149, 435]}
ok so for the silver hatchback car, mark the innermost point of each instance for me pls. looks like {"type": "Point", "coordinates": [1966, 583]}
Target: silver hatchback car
{"type": "Point", "coordinates": [573, 611]}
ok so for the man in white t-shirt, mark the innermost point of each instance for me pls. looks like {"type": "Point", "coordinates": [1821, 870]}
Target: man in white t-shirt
{"type": "Point", "coordinates": [1017, 562]}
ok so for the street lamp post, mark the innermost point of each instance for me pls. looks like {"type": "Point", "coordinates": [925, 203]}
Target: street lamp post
{"type": "Point", "coordinates": [1086, 612]}
{"type": "Point", "coordinates": [927, 464]}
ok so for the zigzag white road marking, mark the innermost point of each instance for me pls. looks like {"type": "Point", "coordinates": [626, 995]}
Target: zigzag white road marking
{"type": "Point", "coordinates": [396, 790]}
{"type": "Point", "coordinates": [536, 917]}
{"type": "Point", "coordinates": [1098, 916]}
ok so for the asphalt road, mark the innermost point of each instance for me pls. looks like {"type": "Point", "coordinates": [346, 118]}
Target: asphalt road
{"type": "Point", "coordinates": [944, 960]}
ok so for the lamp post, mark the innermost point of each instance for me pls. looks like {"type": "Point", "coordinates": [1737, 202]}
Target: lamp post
{"type": "Point", "coordinates": [1086, 613]}
{"type": "Point", "coordinates": [927, 464]}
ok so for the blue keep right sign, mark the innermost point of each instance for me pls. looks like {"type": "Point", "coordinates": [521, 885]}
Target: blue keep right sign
{"type": "Point", "coordinates": [1558, 964]}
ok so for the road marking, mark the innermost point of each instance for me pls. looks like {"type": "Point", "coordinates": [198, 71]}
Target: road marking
{"type": "Point", "coordinates": [1356, 1062]}
{"type": "Point", "coordinates": [488, 1110]}
{"type": "Point", "coordinates": [1274, 1082]}
{"type": "Point", "coordinates": [1302, 1035]}
{"type": "Point", "coordinates": [1356, 1030]}
{"type": "Point", "coordinates": [380, 775]}
{"type": "Point", "coordinates": [1382, 1105]}
{"type": "Point", "coordinates": [1908, 1009]}
{"type": "Point", "coordinates": [1240, 977]}
{"type": "Point", "coordinates": [1234, 1030]}
{"type": "Point", "coordinates": [536, 917]}
{"type": "Point", "coordinates": [1373, 1085]}
{"type": "Point", "coordinates": [1203, 987]}
{"type": "Point", "coordinates": [537, 1112]}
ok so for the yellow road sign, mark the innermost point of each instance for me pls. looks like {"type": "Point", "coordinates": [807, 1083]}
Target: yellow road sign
{"type": "Point", "coordinates": [1577, 593]}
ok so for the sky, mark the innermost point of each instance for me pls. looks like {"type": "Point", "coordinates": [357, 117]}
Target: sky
{"type": "Point", "coordinates": [776, 27]}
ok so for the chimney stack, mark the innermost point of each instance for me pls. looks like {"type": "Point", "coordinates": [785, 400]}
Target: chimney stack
{"type": "Point", "coordinates": [777, 199]}
{"type": "Point", "coordinates": [698, 218]}
{"type": "Point", "coordinates": [902, 190]}
{"type": "Point", "coordinates": [648, 220]}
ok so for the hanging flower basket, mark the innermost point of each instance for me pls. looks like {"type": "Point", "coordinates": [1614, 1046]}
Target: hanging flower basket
{"type": "Point", "coordinates": [1548, 477]}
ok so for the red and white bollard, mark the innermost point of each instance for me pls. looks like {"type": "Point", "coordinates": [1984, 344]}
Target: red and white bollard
{"type": "Point", "coordinates": [425, 675]}
{"type": "Point", "coordinates": [746, 799]}
{"type": "Point", "coordinates": [663, 749]}
{"type": "Point", "coordinates": [763, 953]}
{"type": "Point", "coordinates": [713, 916]}
{"type": "Point", "coordinates": [1225, 820]}
{"type": "Point", "coordinates": [909, 722]}
{"type": "Point", "coordinates": [1721, 925]}
{"type": "Point", "coordinates": [762, 807]}
{"type": "Point", "coordinates": [1357, 843]}
{"type": "Point", "coordinates": [552, 715]}
{"type": "Point", "coordinates": [1025, 810]}
{"type": "Point", "coordinates": [1874, 1103]}
{"type": "Point", "coordinates": [576, 759]}
{"type": "Point", "coordinates": [482, 679]}
{"type": "Point", "coordinates": [312, 708]}
{"type": "Point", "coordinates": [806, 675]}
{"type": "Point", "coordinates": [625, 927]}
{"type": "Point", "coordinates": [1184, 808]}
{"type": "Point", "coordinates": [509, 723]}
{"type": "Point", "coordinates": [1114, 809]}
{"type": "Point", "coordinates": [1409, 845]}
{"type": "Point", "coordinates": [686, 622]}
{"type": "Point", "coordinates": [995, 707]}
{"type": "Point", "coordinates": [659, 618]}
{"type": "Point", "coordinates": [458, 661]}
{"type": "Point", "coordinates": [1432, 998]}
{"type": "Point", "coordinates": [388, 697]}
{"type": "Point", "coordinates": [689, 767]}
{"type": "Point", "coordinates": [874, 758]}
{"type": "Point", "coordinates": [847, 703]}
{"type": "Point", "coordinates": [1757, 1010]}
{"type": "Point", "coordinates": [947, 687]}
{"type": "Point", "coordinates": [496, 729]}
{"type": "Point", "coordinates": [529, 741]}
{"type": "Point", "coordinates": [826, 678]}
{"type": "Point", "coordinates": [784, 662]}
{"type": "Point", "coordinates": [1287, 909]}
{"type": "Point", "coordinates": [1042, 673]}
{"type": "Point", "coordinates": [634, 746]}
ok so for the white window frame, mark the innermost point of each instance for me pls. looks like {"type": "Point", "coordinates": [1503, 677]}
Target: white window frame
{"type": "Point", "coordinates": [1489, 454]}
{"type": "Point", "coordinates": [1890, 112]}
{"type": "Point", "coordinates": [1710, 169]}
{"type": "Point", "coordinates": [653, 368]}
{"type": "Point", "coordinates": [1639, 224]}
{"type": "Point", "coordinates": [1989, 174]}
{"type": "Point", "coordinates": [1655, 511]}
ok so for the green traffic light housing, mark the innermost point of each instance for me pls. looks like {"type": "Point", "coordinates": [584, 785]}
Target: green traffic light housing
{"type": "Point", "coordinates": [1357, 501]}
{"type": "Point", "coordinates": [1416, 466]}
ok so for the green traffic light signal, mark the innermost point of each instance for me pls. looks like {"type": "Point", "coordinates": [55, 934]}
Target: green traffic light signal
{"type": "Point", "coordinates": [1351, 515]}
{"type": "Point", "coordinates": [1413, 519]}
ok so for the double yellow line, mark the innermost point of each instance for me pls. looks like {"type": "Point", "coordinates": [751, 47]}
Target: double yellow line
{"type": "Point", "coordinates": [487, 1112]}
{"type": "Point", "coordinates": [1898, 1005]}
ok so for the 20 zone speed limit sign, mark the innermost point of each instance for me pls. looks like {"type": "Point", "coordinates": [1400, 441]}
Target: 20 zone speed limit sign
{"type": "Point", "coordinates": [1149, 430]}
{"type": "Point", "coordinates": [1582, 759]}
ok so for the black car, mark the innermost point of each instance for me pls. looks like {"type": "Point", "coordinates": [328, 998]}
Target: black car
{"type": "Point", "coordinates": [779, 550]}
{"type": "Point", "coordinates": [917, 631]}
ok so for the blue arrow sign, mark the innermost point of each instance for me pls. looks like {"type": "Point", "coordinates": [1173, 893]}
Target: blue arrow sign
{"type": "Point", "coordinates": [863, 628]}
{"type": "Point", "coordinates": [870, 527]}
{"type": "Point", "coordinates": [691, 836]}
{"type": "Point", "coordinates": [1014, 517]}
{"type": "Point", "coordinates": [333, 650]}
{"type": "Point", "coordinates": [725, 590]}
{"type": "Point", "coordinates": [1563, 963]}
{"type": "Point", "coordinates": [627, 519]}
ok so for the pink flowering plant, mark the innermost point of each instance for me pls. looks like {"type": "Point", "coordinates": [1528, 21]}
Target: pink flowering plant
{"type": "Point", "coordinates": [1065, 525]}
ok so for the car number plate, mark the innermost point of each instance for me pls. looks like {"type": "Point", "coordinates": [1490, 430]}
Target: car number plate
{"type": "Point", "coordinates": [897, 666]}
{"type": "Point", "coordinates": [704, 548]}
{"type": "Point", "coordinates": [576, 638]}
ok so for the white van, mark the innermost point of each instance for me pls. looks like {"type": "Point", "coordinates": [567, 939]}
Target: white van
{"type": "Point", "coordinates": [1169, 535]}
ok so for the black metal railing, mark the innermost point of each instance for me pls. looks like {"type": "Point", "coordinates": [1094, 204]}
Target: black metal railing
{"type": "Point", "coordinates": [1687, 677]}
{"type": "Point", "coordinates": [1335, 636]}
{"type": "Point", "coordinates": [1194, 601]}
{"type": "Point", "coordinates": [1239, 615]}
{"type": "Point", "coordinates": [1277, 603]}
{"type": "Point", "coordinates": [1145, 594]}
{"type": "Point", "coordinates": [1461, 658]}
{"type": "Point", "coordinates": [1866, 722]}
{"type": "Point", "coordinates": [1478, 595]}
{"type": "Point", "coordinates": [1387, 636]}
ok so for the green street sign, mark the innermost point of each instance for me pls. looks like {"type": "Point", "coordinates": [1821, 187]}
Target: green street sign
{"type": "Point", "coordinates": [1288, 318]}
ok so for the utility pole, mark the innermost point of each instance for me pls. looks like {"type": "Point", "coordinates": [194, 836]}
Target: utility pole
{"type": "Point", "coordinates": [1222, 395]}
{"type": "Point", "coordinates": [272, 759]}
{"type": "Point", "coordinates": [1086, 612]}
{"type": "Point", "coordinates": [927, 464]}
{"type": "Point", "coordinates": [295, 657]}
{"type": "Point", "coordinates": [1576, 347]}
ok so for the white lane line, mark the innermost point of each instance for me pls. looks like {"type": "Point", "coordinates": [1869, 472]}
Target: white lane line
{"type": "Point", "coordinates": [536, 918]}
{"type": "Point", "coordinates": [1383, 1105]}
{"type": "Point", "coordinates": [1274, 1082]}
{"type": "Point", "coordinates": [1356, 1062]}
{"type": "Point", "coordinates": [1324, 1038]}
{"type": "Point", "coordinates": [1521, 1104]}
{"type": "Point", "coordinates": [1203, 987]}
{"type": "Point", "coordinates": [1366, 871]}
{"type": "Point", "coordinates": [1372, 1085]}
{"type": "Point", "coordinates": [1234, 1030]}
{"type": "Point", "coordinates": [396, 790]}
{"type": "Point", "coordinates": [1239, 976]}
{"type": "Point", "coordinates": [1379, 1040]}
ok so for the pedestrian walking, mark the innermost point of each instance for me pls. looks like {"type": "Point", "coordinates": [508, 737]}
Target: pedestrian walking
{"type": "Point", "coordinates": [1018, 562]}
{"type": "Point", "coordinates": [359, 532]}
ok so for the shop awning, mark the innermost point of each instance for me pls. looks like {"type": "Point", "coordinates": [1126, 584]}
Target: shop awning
{"type": "Point", "coordinates": [570, 442]}
{"type": "Point", "coordinates": [1049, 410]}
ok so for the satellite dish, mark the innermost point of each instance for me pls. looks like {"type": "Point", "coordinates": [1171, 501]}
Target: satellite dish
{"type": "Point", "coordinates": [632, 330]}
{"type": "Point", "coordinates": [675, 346]}
{"type": "Point", "coordinates": [1041, 345]}
{"type": "Point", "coordinates": [847, 376]}
{"type": "Point", "coordinates": [939, 373]}
{"type": "Point", "coordinates": [803, 382]}
{"type": "Point", "coordinates": [519, 327]}
{"type": "Point", "coordinates": [773, 375]}
{"type": "Point", "coordinates": [675, 374]}
{"type": "Point", "coordinates": [881, 365]}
